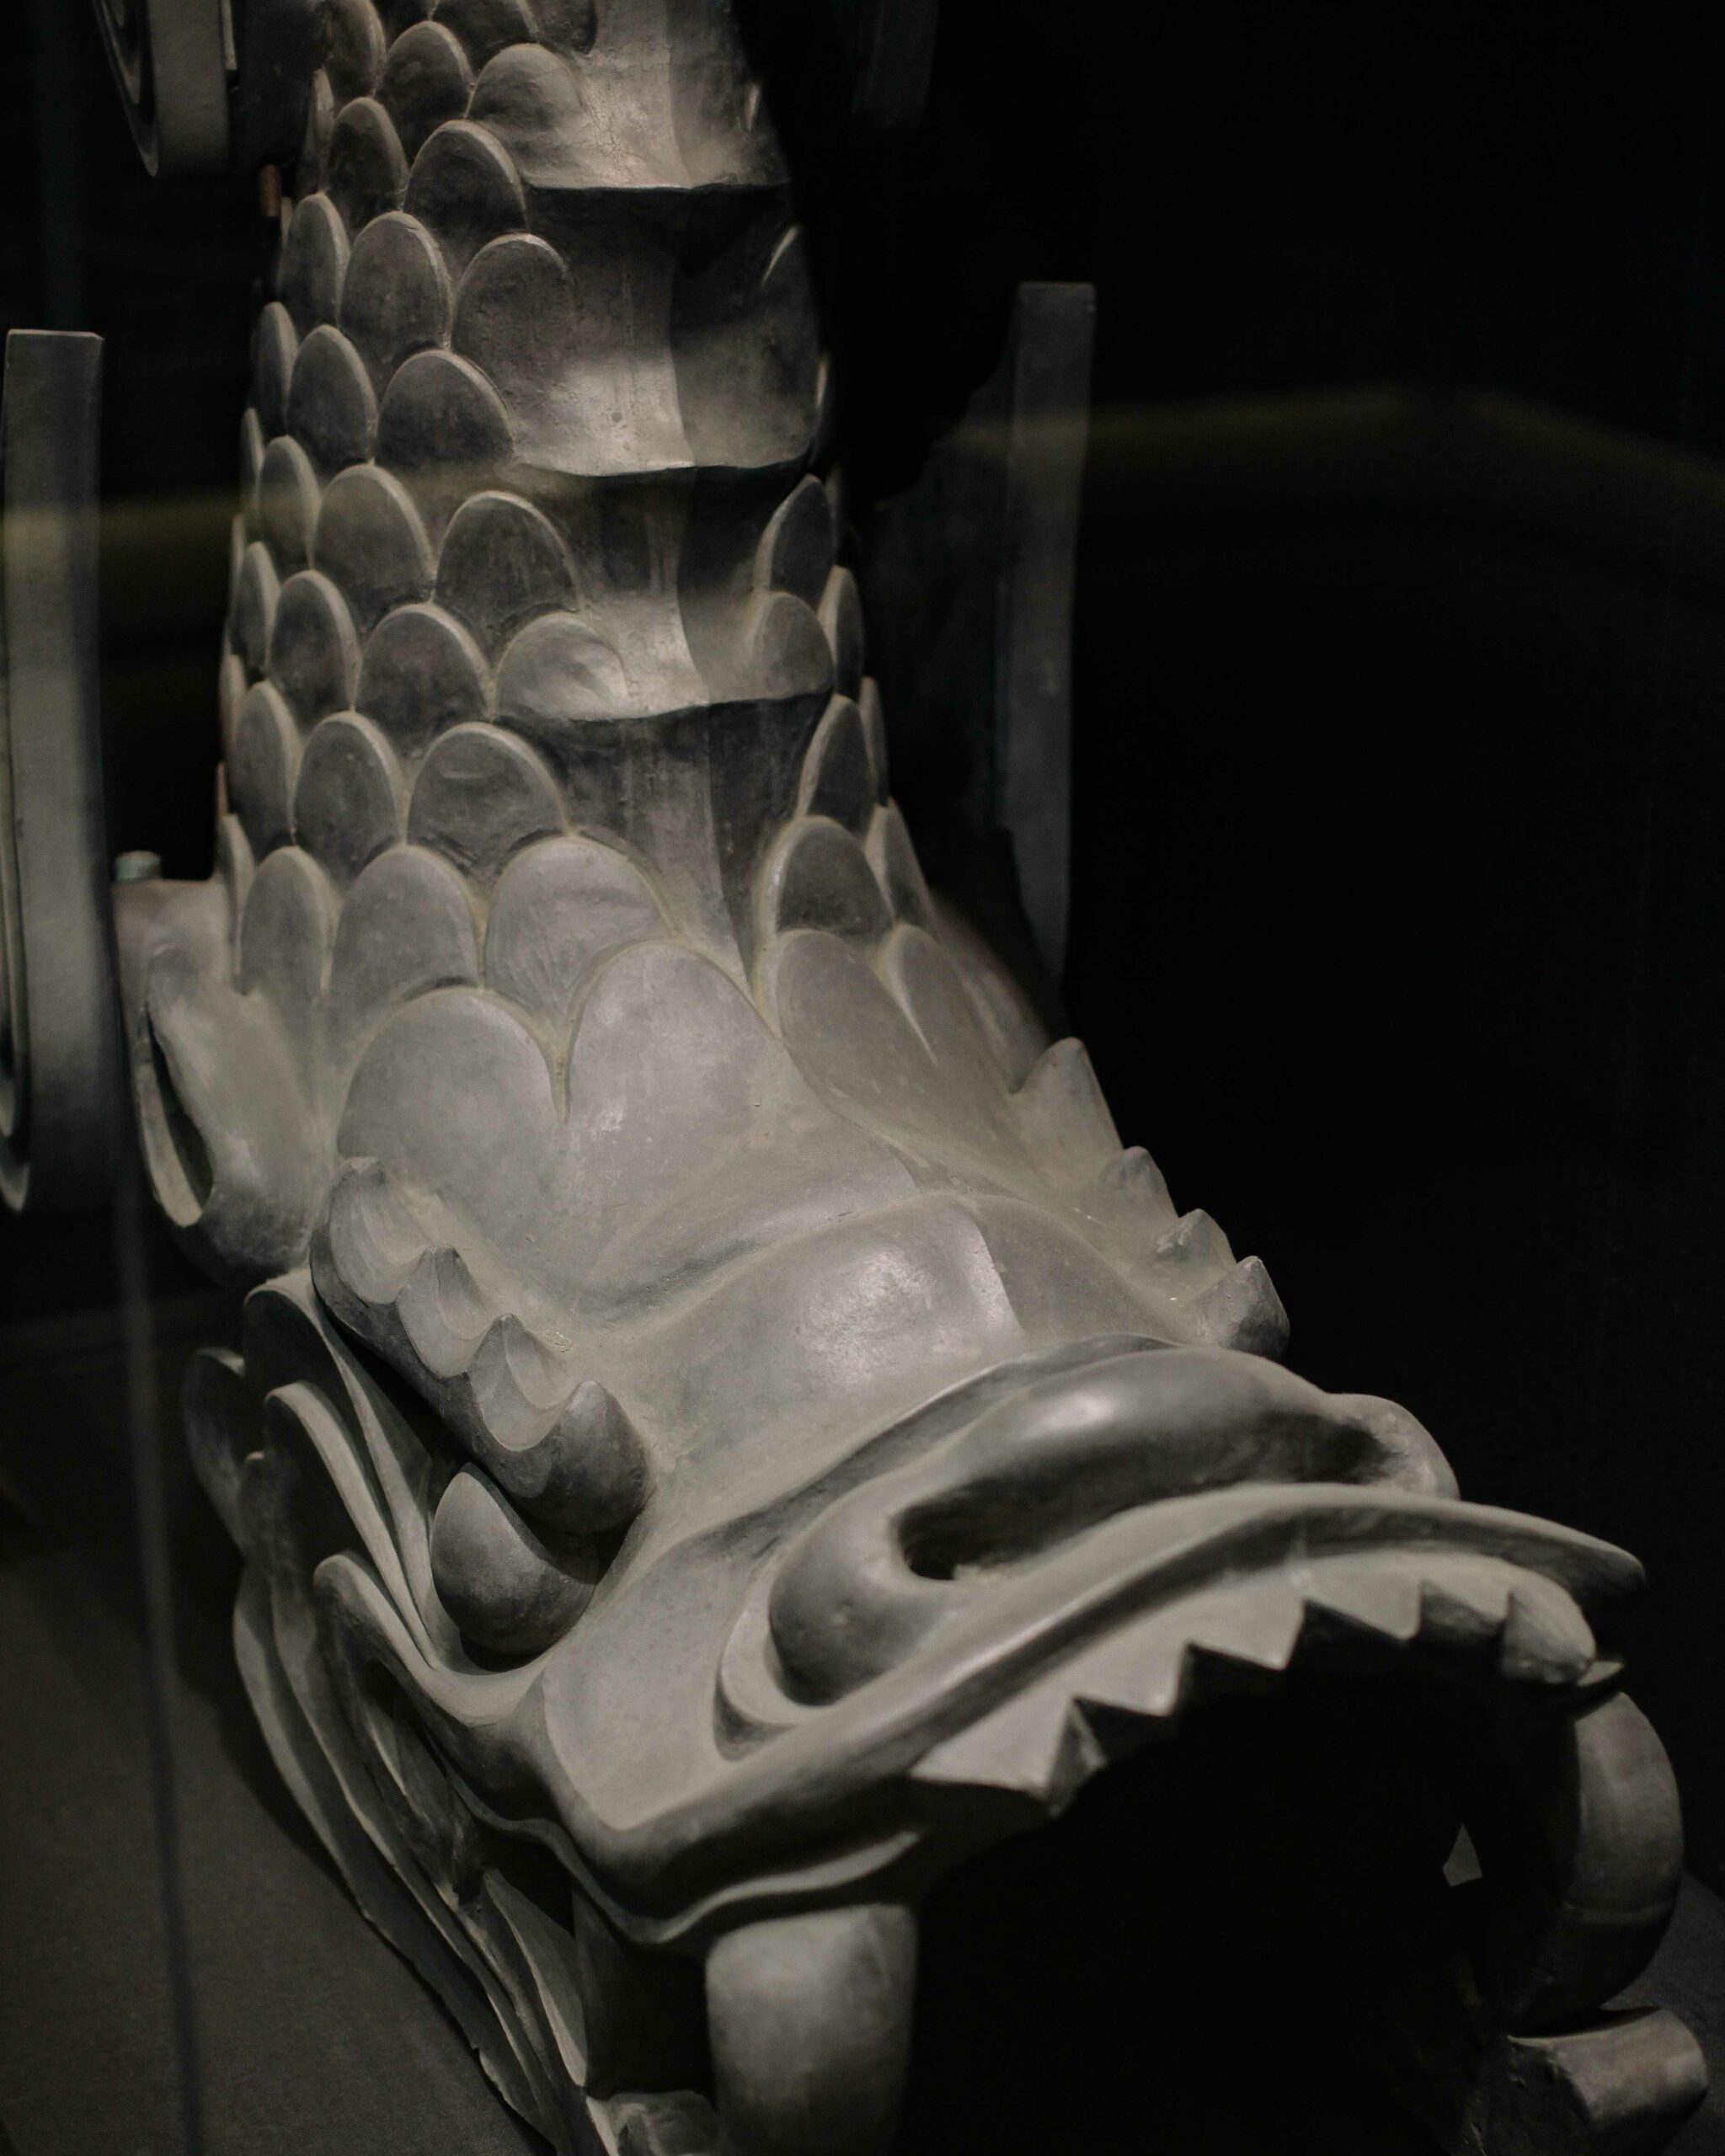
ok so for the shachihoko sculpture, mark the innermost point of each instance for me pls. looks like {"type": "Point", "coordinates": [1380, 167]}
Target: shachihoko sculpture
{"type": "Point", "coordinates": [723, 1431]}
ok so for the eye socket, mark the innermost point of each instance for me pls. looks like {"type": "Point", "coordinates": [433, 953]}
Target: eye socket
{"type": "Point", "coordinates": [179, 1158]}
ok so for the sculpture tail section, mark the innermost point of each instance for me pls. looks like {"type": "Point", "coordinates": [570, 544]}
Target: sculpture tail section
{"type": "Point", "coordinates": [525, 459]}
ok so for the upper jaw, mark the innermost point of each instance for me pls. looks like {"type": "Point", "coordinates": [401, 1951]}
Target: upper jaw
{"type": "Point", "coordinates": [795, 1697]}
{"type": "Point", "coordinates": [770, 1733]}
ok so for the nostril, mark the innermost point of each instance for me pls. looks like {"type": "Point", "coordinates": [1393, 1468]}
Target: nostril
{"type": "Point", "coordinates": [942, 1541]}
{"type": "Point", "coordinates": [1043, 1468]}
{"type": "Point", "coordinates": [983, 1528]}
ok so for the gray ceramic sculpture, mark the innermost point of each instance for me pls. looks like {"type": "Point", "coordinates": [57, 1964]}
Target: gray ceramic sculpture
{"type": "Point", "coordinates": [723, 1433]}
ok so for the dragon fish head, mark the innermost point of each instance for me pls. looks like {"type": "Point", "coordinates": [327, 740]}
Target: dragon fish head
{"type": "Point", "coordinates": [735, 1445]}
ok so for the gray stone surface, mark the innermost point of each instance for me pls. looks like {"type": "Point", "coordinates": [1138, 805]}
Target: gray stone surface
{"type": "Point", "coordinates": [722, 1432]}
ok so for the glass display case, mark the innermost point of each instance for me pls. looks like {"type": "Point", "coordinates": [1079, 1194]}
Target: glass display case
{"type": "Point", "coordinates": [629, 1517]}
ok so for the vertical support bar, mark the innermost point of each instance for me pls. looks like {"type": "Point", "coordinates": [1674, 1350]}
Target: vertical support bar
{"type": "Point", "coordinates": [892, 57]}
{"type": "Point", "coordinates": [968, 581]}
{"type": "Point", "coordinates": [58, 1035]}
{"type": "Point", "coordinates": [171, 62]}
{"type": "Point", "coordinates": [1053, 338]}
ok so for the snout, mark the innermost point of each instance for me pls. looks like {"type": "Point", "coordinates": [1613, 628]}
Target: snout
{"type": "Point", "coordinates": [904, 1556]}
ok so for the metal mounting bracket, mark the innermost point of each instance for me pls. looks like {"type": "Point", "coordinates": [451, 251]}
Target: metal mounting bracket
{"type": "Point", "coordinates": [172, 60]}
{"type": "Point", "coordinates": [60, 1084]}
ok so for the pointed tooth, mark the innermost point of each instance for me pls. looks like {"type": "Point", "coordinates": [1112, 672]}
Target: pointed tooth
{"type": "Point", "coordinates": [1115, 1732]}
{"type": "Point", "coordinates": [1462, 1864]}
{"type": "Point", "coordinates": [1378, 1595]}
{"type": "Point", "coordinates": [1081, 1751]}
{"type": "Point", "coordinates": [1135, 1175]}
{"type": "Point", "coordinates": [1141, 1670]}
{"type": "Point", "coordinates": [1065, 1117]}
{"type": "Point", "coordinates": [1258, 1625]}
{"type": "Point", "coordinates": [1466, 1600]}
{"type": "Point", "coordinates": [1044, 1744]}
{"type": "Point", "coordinates": [1016, 1749]}
{"type": "Point", "coordinates": [1546, 1637]}
{"type": "Point", "coordinates": [1194, 1241]}
{"type": "Point", "coordinates": [810, 2018]}
{"type": "Point", "coordinates": [1243, 1312]}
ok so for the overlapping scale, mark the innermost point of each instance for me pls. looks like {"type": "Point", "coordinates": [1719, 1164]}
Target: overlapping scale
{"type": "Point", "coordinates": [288, 501]}
{"type": "Point", "coordinates": [367, 168]}
{"type": "Point", "coordinates": [331, 410]}
{"type": "Point", "coordinates": [557, 672]}
{"type": "Point", "coordinates": [481, 796]}
{"type": "Point", "coordinates": [371, 541]}
{"type": "Point", "coordinates": [463, 188]}
{"type": "Point", "coordinates": [502, 563]}
{"type": "Point", "coordinates": [406, 927]}
{"type": "Point", "coordinates": [443, 430]}
{"type": "Point", "coordinates": [314, 257]}
{"type": "Point", "coordinates": [396, 299]}
{"type": "Point", "coordinates": [275, 344]}
{"type": "Point", "coordinates": [284, 937]}
{"type": "Point", "coordinates": [347, 805]}
{"type": "Point", "coordinates": [422, 674]}
{"type": "Point", "coordinates": [314, 654]}
{"type": "Point", "coordinates": [838, 772]}
{"type": "Point", "coordinates": [263, 767]}
{"type": "Point", "coordinates": [257, 592]}
{"type": "Point", "coordinates": [558, 908]}
{"type": "Point", "coordinates": [486, 27]}
{"type": "Point", "coordinates": [426, 81]}
{"type": "Point", "coordinates": [353, 46]}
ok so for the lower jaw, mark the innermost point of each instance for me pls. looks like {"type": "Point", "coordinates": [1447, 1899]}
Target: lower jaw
{"type": "Point", "coordinates": [1257, 1938]}
{"type": "Point", "coordinates": [1247, 1890]}
{"type": "Point", "coordinates": [1248, 1939]}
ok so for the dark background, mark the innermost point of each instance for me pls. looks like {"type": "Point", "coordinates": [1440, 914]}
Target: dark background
{"type": "Point", "coordinates": [1397, 898]}
{"type": "Point", "coordinates": [1397, 875]}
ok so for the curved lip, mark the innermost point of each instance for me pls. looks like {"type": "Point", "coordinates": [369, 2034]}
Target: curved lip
{"type": "Point", "coordinates": [824, 1804]}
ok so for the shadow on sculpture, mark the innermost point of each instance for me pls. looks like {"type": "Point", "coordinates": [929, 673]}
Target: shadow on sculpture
{"type": "Point", "coordinates": [724, 1439]}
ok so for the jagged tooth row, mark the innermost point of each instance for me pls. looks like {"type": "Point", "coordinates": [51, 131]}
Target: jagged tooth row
{"type": "Point", "coordinates": [1045, 1742]}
